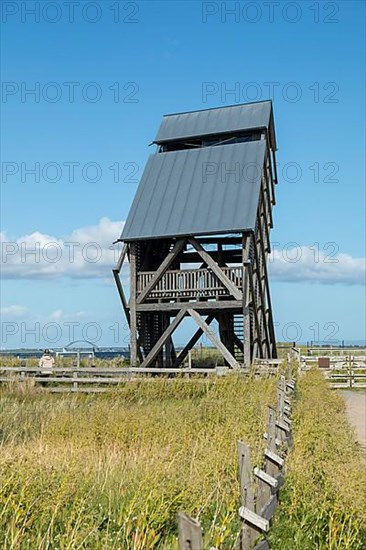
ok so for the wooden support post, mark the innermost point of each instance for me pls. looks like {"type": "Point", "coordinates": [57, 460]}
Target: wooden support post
{"type": "Point", "coordinates": [258, 339]}
{"type": "Point", "coordinates": [189, 533]}
{"type": "Point", "coordinates": [246, 310]}
{"type": "Point", "coordinates": [133, 315]}
{"type": "Point", "coordinates": [75, 374]}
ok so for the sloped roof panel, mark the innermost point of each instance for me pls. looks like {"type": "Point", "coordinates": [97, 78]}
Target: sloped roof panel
{"type": "Point", "coordinates": [215, 121]}
{"type": "Point", "coordinates": [197, 192]}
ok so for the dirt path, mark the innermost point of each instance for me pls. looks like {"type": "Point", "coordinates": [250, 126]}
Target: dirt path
{"type": "Point", "coordinates": [356, 411]}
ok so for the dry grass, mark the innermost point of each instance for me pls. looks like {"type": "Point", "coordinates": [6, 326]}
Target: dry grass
{"type": "Point", "coordinates": [112, 471]}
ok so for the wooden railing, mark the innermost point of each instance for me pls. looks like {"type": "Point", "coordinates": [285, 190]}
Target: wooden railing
{"type": "Point", "coordinates": [189, 283]}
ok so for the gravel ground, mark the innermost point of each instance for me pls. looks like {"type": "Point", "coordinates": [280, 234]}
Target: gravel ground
{"type": "Point", "coordinates": [356, 411]}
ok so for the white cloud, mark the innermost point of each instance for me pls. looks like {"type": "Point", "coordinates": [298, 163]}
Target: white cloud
{"type": "Point", "coordinates": [60, 315]}
{"type": "Point", "coordinates": [56, 315]}
{"type": "Point", "coordinates": [306, 264]}
{"type": "Point", "coordinates": [13, 311]}
{"type": "Point", "coordinates": [87, 252]}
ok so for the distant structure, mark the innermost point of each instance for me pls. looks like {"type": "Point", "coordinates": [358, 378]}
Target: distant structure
{"type": "Point", "coordinates": [197, 237]}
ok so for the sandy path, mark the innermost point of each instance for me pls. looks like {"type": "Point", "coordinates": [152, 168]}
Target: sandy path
{"type": "Point", "coordinates": [356, 411]}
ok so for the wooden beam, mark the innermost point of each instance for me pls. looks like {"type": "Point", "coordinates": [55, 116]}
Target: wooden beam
{"type": "Point", "coordinates": [163, 338]}
{"type": "Point", "coordinates": [178, 247]}
{"type": "Point", "coordinates": [246, 312]}
{"type": "Point", "coordinates": [255, 310]}
{"type": "Point", "coordinates": [133, 313]}
{"type": "Point", "coordinates": [216, 342]}
{"type": "Point", "coordinates": [189, 533]}
{"type": "Point", "coordinates": [263, 320]}
{"type": "Point", "coordinates": [228, 256]}
{"type": "Point", "coordinates": [192, 342]}
{"type": "Point", "coordinates": [198, 306]}
{"type": "Point", "coordinates": [121, 294]}
{"type": "Point", "coordinates": [233, 289]}
{"type": "Point", "coordinates": [121, 259]}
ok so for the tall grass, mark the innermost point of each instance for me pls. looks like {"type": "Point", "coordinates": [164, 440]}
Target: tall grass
{"type": "Point", "coordinates": [324, 498]}
{"type": "Point", "coordinates": [111, 471]}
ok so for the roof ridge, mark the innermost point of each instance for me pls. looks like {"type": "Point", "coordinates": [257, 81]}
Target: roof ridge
{"type": "Point", "coordinates": [221, 107]}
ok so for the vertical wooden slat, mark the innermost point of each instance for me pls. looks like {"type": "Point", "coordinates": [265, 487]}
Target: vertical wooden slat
{"type": "Point", "coordinates": [189, 533]}
{"type": "Point", "coordinates": [133, 317]}
{"type": "Point", "coordinates": [248, 534]}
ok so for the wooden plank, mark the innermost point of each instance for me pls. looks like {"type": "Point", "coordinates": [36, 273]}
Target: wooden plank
{"type": "Point", "coordinates": [268, 510]}
{"type": "Point", "coordinates": [109, 371]}
{"type": "Point", "coordinates": [213, 338]}
{"type": "Point", "coordinates": [233, 289]}
{"type": "Point", "coordinates": [189, 533]}
{"type": "Point", "coordinates": [254, 519]}
{"type": "Point", "coordinates": [274, 457]}
{"type": "Point", "coordinates": [177, 249]}
{"type": "Point", "coordinates": [231, 305]}
{"type": "Point", "coordinates": [245, 475]}
{"type": "Point", "coordinates": [266, 478]}
{"type": "Point", "coordinates": [163, 338]}
{"type": "Point", "coordinates": [282, 426]}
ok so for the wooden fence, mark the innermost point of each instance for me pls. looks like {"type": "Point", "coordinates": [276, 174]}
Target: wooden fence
{"type": "Point", "coordinates": [259, 487]}
{"type": "Point", "coordinates": [342, 371]}
{"type": "Point", "coordinates": [89, 379]}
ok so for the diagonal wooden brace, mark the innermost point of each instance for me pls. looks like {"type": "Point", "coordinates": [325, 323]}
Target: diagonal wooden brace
{"type": "Point", "coordinates": [216, 342]}
{"type": "Point", "coordinates": [177, 249]}
{"type": "Point", "coordinates": [231, 287]}
{"type": "Point", "coordinates": [163, 338]}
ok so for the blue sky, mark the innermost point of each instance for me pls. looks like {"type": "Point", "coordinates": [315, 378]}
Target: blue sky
{"type": "Point", "coordinates": [127, 69]}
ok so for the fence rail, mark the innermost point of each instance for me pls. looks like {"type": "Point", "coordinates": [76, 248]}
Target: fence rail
{"type": "Point", "coordinates": [78, 378]}
{"type": "Point", "coordinates": [259, 487]}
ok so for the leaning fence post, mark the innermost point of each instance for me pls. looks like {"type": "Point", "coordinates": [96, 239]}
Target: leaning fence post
{"type": "Point", "coordinates": [189, 533]}
{"type": "Point", "coordinates": [248, 533]}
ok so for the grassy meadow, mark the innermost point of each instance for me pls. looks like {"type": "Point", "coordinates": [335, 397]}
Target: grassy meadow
{"type": "Point", "coordinates": [111, 471]}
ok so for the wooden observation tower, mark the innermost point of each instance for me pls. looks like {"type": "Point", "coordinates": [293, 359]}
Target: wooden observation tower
{"type": "Point", "coordinates": [197, 237]}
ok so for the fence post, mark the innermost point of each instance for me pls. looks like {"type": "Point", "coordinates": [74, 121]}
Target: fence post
{"type": "Point", "coordinates": [189, 533]}
{"type": "Point", "coordinates": [76, 371]}
{"type": "Point", "coordinates": [248, 533]}
{"type": "Point", "coordinates": [22, 372]}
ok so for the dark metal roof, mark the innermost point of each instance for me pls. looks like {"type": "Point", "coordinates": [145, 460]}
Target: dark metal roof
{"type": "Point", "coordinates": [197, 192]}
{"type": "Point", "coordinates": [216, 121]}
